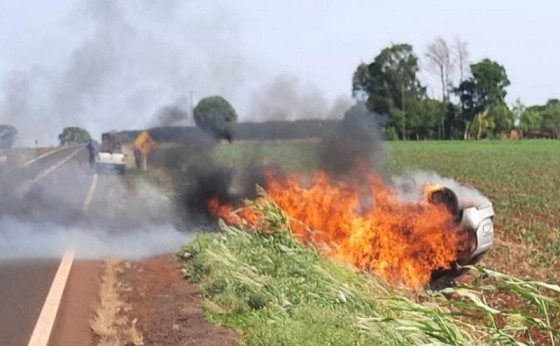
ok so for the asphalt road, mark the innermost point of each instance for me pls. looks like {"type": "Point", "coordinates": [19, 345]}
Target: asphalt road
{"type": "Point", "coordinates": [27, 266]}
{"type": "Point", "coordinates": [40, 214]}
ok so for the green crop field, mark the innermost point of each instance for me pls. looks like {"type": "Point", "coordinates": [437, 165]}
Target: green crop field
{"type": "Point", "coordinates": [268, 287]}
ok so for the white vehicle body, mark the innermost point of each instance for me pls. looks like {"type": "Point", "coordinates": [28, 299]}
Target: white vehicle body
{"type": "Point", "coordinates": [478, 219]}
{"type": "Point", "coordinates": [111, 161]}
{"type": "Point", "coordinates": [110, 156]}
{"type": "Point", "coordinates": [475, 218]}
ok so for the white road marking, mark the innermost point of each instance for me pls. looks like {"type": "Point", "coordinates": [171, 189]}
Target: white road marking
{"type": "Point", "coordinates": [33, 160]}
{"type": "Point", "coordinates": [45, 323]}
{"type": "Point", "coordinates": [47, 317]}
{"type": "Point", "coordinates": [55, 166]}
{"type": "Point", "coordinates": [91, 191]}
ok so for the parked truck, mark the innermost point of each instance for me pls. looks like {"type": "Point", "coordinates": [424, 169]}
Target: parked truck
{"type": "Point", "coordinates": [110, 156]}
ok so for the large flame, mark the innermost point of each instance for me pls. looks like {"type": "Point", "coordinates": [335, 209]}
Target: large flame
{"type": "Point", "coordinates": [363, 224]}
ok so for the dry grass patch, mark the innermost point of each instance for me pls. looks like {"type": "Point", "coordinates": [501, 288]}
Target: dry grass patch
{"type": "Point", "coordinates": [110, 323]}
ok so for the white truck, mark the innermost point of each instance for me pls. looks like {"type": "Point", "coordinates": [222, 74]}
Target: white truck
{"type": "Point", "coordinates": [110, 157]}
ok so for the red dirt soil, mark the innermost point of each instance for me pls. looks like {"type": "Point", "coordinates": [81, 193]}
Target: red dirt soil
{"type": "Point", "coordinates": [166, 306]}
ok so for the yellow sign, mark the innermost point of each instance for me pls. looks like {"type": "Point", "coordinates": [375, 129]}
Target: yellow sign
{"type": "Point", "coordinates": [144, 143]}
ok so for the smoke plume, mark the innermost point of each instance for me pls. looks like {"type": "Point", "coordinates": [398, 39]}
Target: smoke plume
{"type": "Point", "coordinates": [135, 58]}
{"type": "Point", "coordinates": [287, 98]}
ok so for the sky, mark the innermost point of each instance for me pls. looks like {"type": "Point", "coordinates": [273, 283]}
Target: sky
{"type": "Point", "coordinates": [114, 64]}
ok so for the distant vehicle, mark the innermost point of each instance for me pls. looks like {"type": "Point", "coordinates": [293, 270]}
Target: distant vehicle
{"type": "Point", "coordinates": [110, 156]}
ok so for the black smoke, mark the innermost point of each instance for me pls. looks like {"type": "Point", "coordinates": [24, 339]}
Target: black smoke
{"type": "Point", "coordinates": [172, 116]}
{"type": "Point", "coordinates": [358, 139]}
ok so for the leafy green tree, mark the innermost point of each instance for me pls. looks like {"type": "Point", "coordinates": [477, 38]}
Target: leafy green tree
{"type": "Point", "coordinates": [8, 135]}
{"type": "Point", "coordinates": [530, 119]}
{"type": "Point", "coordinates": [483, 125]}
{"type": "Point", "coordinates": [502, 117]}
{"type": "Point", "coordinates": [216, 116]}
{"type": "Point", "coordinates": [74, 134]}
{"type": "Point", "coordinates": [390, 84]}
{"type": "Point", "coordinates": [424, 119]}
{"type": "Point", "coordinates": [551, 117]}
{"type": "Point", "coordinates": [486, 87]}
{"type": "Point", "coordinates": [453, 123]}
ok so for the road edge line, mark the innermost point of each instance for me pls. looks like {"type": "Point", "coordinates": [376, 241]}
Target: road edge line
{"type": "Point", "coordinates": [47, 317]}
{"type": "Point", "coordinates": [53, 167]}
{"type": "Point", "coordinates": [42, 156]}
{"type": "Point", "coordinates": [45, 323]}
{"type": "Point", "coordinates": [90, 193]}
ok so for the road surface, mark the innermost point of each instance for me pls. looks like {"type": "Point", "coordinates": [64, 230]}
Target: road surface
{"type": "Point", "coordinates": [45, 193]}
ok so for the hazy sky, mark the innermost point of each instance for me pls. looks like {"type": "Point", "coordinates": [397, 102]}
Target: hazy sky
{"type": "Point", "coordinates": [112, 64]}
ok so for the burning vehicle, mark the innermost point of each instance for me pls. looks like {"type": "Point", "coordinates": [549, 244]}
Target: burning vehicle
{"type": "Point", "coordinates": [364, 221]}
{"type": "Point", "coordinates": [475, 219]}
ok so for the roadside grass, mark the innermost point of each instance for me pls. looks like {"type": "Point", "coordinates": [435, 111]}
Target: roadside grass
{"type": "Point", "coordinates": [109, 322]}
{"type": "Point", "coordinates": [278, 292]}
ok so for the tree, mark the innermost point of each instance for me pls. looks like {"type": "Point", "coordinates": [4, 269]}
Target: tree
{"type": "Point", "coordinates": [502, 117]}
{"type": "Point", "coordinates": [440, 62]}
{"type": "Point", "coordinates": [438, 54]}
{"type": "Point", "coordinates": [518, 108]}
{"type": "Point", "coordinates": [462, 58]}
{"type": "Point", "coordinates": [486, 87]}
{"type": "Point", "coordinates": [390, 83]}
{"type": "Point", "coordinates": [8, 135]}
{"type": "Point", "coordinates": [530, 119]}
{"type": "Point", "coordinates": [74, 134]}
{"type": "Point", "coordinates": [216, 116]}
{"type": "Point", "coordinates": [551, 117]}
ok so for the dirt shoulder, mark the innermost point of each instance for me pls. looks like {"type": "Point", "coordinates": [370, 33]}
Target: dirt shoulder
{"type": "Point", "coordinates": [166, 307]}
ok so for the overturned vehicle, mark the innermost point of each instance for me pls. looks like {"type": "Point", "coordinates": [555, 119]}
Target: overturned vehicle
{"type": "Point", "coordinates": [474, 216]}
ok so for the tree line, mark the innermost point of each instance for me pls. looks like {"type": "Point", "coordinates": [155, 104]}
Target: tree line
{"type": "Point", "coordinates": [470, 105]}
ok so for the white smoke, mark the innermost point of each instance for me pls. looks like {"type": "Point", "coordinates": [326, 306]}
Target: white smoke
{"type": "Point", "coordinates": [43, 219]}
{"type": "Point", "coordinates": [25, 239]}
{"type": "Point", "coordinates": [411, 186]}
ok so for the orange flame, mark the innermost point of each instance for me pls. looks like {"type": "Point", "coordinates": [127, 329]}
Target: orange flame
{"type": "Point", "coordinates": [362, 224]}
